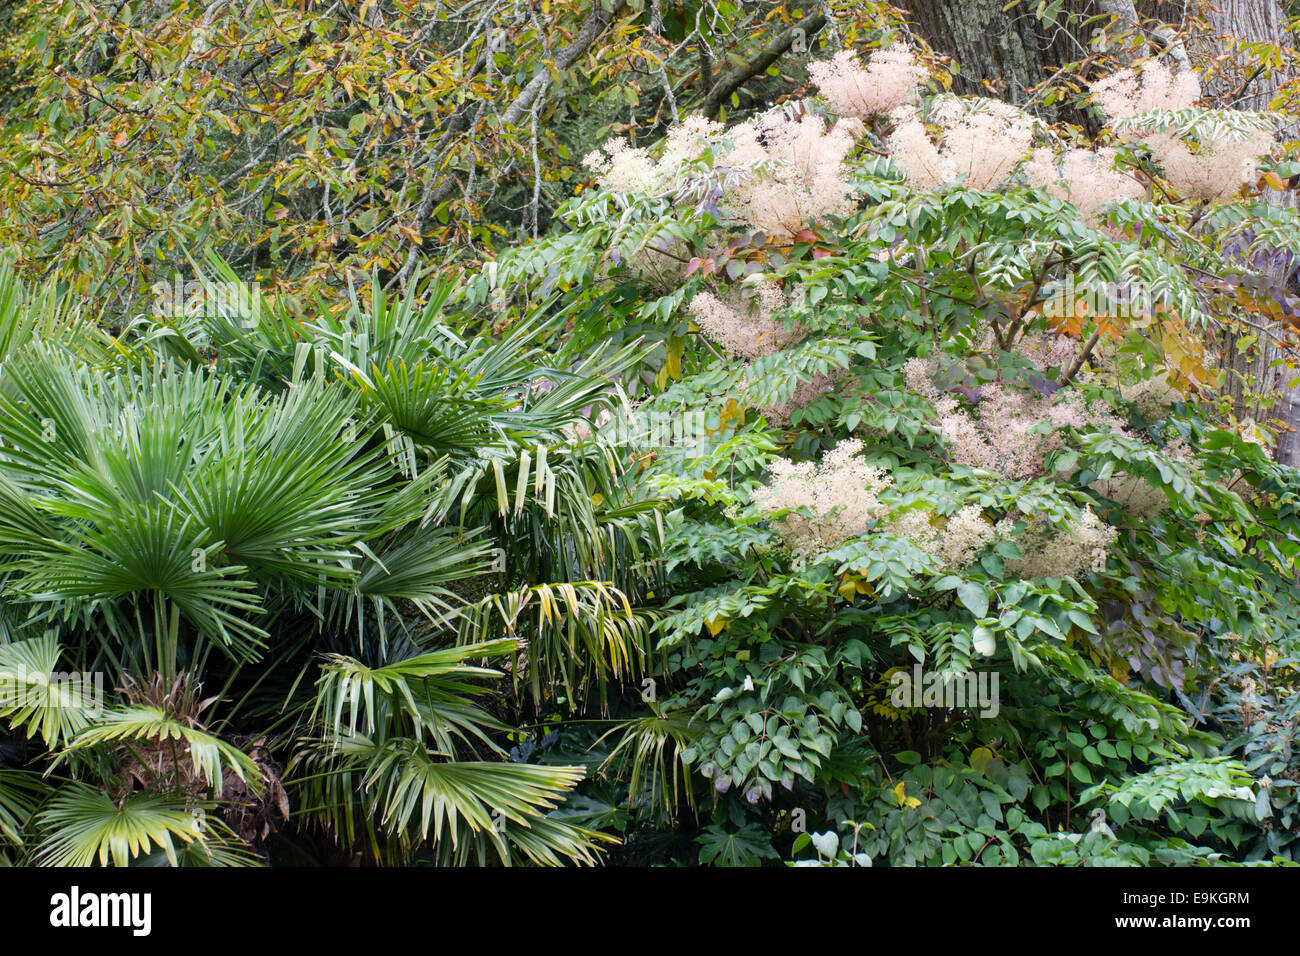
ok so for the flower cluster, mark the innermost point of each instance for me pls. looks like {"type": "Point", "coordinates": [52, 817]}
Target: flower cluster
{"type": "Point", "coordinates": [841, 494]}
{"type": "Point", "coordinates": [981, 141]}
{"type": "Point", "coordinates": [1210, 169]}
{"type": "Point", "coordinates": [954, 542]}
{"type": "Point", "coordinates": [1046, 350]}
{"type": "Point", "coordinates": [807, 393]}
{"type": "Point", "coordinates": [1152, 396]}
{"type": "Point", "coordinates": [791, 172]}
{"type": "Point", "coordinates": [957, 541]}
{"type": "Point", "coordinates": [1137, 496]}
{"type": "Point", "coordinates": [773, 173]}
{"type": "Point", "coordinates": [1047, 552]}
{"type": "Point", "coordinates": [745, 323]}
{"type": "Point", "coordinates": [1004, 434]}
{"type": "Point", "coordinates": [1151, 87]}
{"type": "Point", "coordinates": [622, 167]}
{"type": "Point", "coordinates": [886, 83]}
{"type": "Point", "coordinates": [1213, 169]}
{"type": "Point", "coordinates": [1083, 177]}
{"type": "Point", "coordinates": [1009, 432]}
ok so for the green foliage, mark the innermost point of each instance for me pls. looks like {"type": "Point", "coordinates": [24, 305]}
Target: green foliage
{"type": "Point", "coordinates": [493, 563]}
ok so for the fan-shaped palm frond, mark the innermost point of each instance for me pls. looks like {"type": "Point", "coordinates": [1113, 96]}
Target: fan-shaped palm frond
{"type": "Point", "coordinates": [37, 697]}
{"type": "Point", "coordinates": [211, 756]}
{"type": "Point", "coordinates": [84, 826]}
{"type": "Point", "coordinates": [503, 803]}
{"type": "Point", "coordinates": [415, 567]}
{"type": "Point", "coordinates": [576, 632]}
{"type": "Point", "coordinates": [222, 847]}
{"type": "Point", "coordinates": [43, 315]}
{"type": "Point", "coordinates": [156, 507]}
{"type": "Point", "coordinates": [565, 512]}
{"type": "Point", "coordinates": [20, 793]}
{"type": "Point", "coordinates": [653, 746]}
{"type": "Point", "coordinates": [409, 797]}
{"type": "Point", "coordinates": [402, 695]}
{"type": "Point", "coordinates": [169, 496]}
{"type": "Point", "coordinates": [388, 748]}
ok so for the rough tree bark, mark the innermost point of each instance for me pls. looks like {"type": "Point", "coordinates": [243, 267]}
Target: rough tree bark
{"type": "Point", "coordinates": [1011, 49]}
{"type": "Point", "coordinates": [1249, 21]}
{"type": "Point", "coordinates": [989, 46]}
{"type": "Point", "coordinates": [1236, 83]}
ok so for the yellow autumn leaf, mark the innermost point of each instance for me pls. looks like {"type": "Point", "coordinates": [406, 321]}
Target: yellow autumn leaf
{"type": "Point", "coordinates": [672, 367]}
{"type": "Point", "coordinates": [902, 799]}
{"type": "Point", "coordinates": [733, 411]}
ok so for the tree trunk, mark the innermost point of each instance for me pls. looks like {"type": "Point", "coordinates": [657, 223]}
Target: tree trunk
{"type": "Point", "coordinates": [1235, 82]}
{"type": "Point", "coordinates": [1005, 52]}
{"type": "Point", "coordinates": [1238, 83]}
{"type": "Point", "coordinates": [990, 48]}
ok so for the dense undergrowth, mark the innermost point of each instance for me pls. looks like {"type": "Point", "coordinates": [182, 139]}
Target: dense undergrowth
{"type": "Point", "coordinates": [631, 545]}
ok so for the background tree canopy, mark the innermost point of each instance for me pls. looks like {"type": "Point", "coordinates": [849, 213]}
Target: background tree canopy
{"type": "Point", "coordinates": [641, 433]}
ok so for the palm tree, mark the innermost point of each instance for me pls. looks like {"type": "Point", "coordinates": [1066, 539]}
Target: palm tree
{"type": "Point", "coordinates": [225, 510]}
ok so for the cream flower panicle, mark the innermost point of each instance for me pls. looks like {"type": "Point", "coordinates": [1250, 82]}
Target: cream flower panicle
{"type": "Point", "coordinates": [887, 81]}
{"type": "Point", "coordinates": [981, 142]}
{"type": "Point", "coordinates": [744, 321]}
{"type": "Point", "coordinates": [791, 173]}
{"type": "Point", "coordinates": [842, 493]}
{"type": "Point", "coordinates": [1209, 168]}
{"type": "Point", "coordinates": [954, 542]}
{"type": "Point", "coordinates": [1150, 87]}
{"type": "Point", "coordinates": [1088, 179]}
{"type": "Point", "coordinates": [1047, 552]}
{"type": "Point", "coordinates": [624, 168]}
{"type": "Point", "coordinates": [1213, 169]}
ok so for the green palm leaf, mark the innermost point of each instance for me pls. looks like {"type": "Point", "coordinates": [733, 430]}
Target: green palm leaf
{"type": "Point", "coordinates": [211, 756]}
{"type": "Point", "coordinates": [499, 803]}
{"type": "Point", "coordinates": [35, 696]}
{"type": "Point", "coordinates": [84, 827]}
{"type": "Point", "coordinates": [372, 695]}
{"type": "Point", "coordinates": [579, 631]}
{"type": "Point", "coordinates": [651, 747]}
{"type": "Point", "coordinates": [19, 794]}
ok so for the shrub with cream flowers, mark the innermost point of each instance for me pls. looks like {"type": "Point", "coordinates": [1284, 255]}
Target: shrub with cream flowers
{"type": "Point", "coordinates": [910, 456]}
